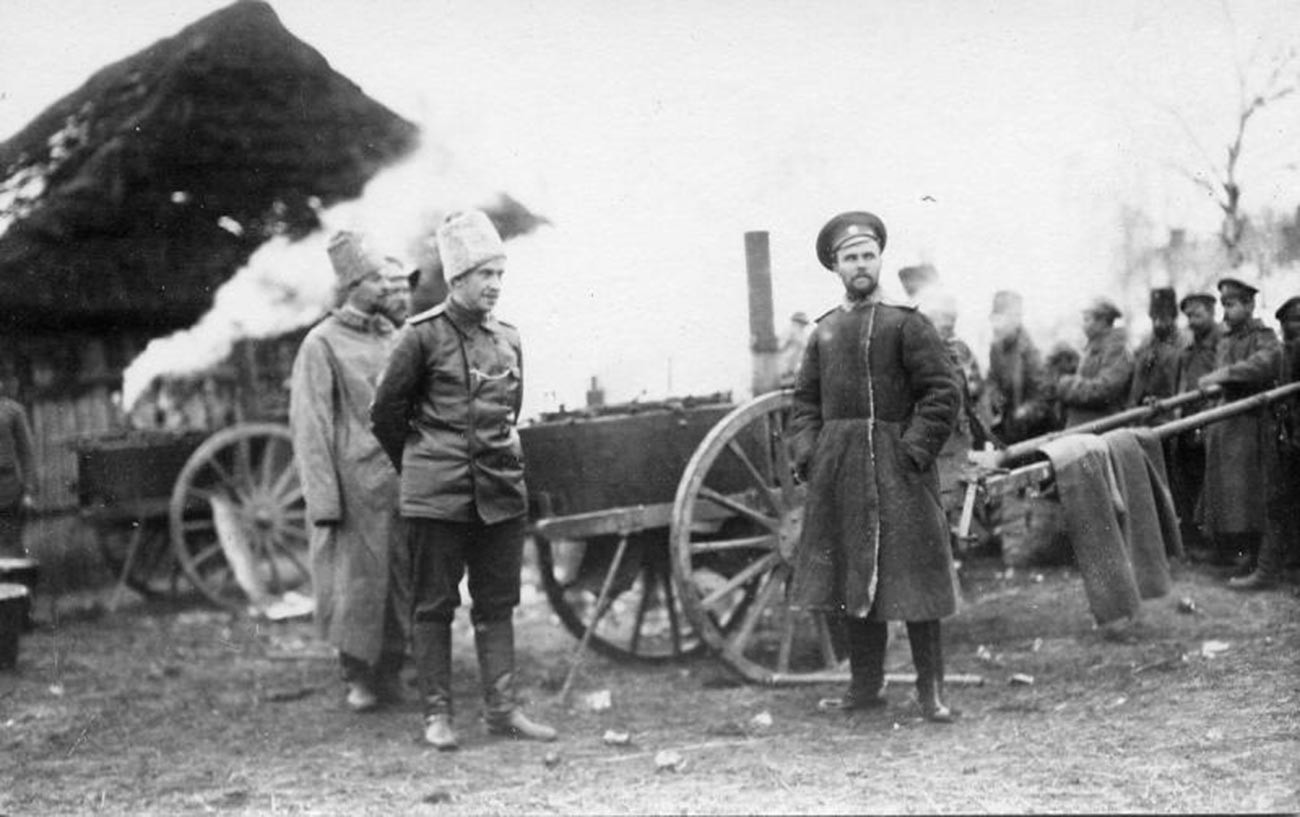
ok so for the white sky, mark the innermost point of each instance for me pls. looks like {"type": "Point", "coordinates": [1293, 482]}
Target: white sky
{"type": "Point", "coordinates": [997, 139]}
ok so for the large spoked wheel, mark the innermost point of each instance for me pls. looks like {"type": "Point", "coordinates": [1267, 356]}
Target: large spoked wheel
{"type": "Point", "coordinates": [643, 619]}
{"type": "Point", "coordinates": [734, 577]}
{"type": "Point", "coordinates": [238, 519]}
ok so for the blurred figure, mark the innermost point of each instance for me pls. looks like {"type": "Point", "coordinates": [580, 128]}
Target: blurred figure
{"type": "Point", "coordinates": [1155, 363]}
{"type": "Point", "coordinates": [1187, 466]}
{"type": "Point", "coordinates": [359, 561]}
{"type": "Point", "coordinates": [792, 346]}
{"type": "Point", "coordinates": [1233, 500]}
{"type": "Point", "coordinates": [1274, 365]}
{"type": "Point", "coordinates": [17, 470]}
{"type": "Point", "coordinates": [1014, 395]}
{"type": "Point", "coordinates": [1105, 374]}
{"type": "Point", "coordinates": [917, 279]}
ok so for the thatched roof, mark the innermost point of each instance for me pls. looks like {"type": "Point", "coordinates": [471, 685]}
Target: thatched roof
{"type": "Point", "coordinates": [127, 202]}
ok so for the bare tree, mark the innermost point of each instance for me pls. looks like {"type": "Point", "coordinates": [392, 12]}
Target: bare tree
{"type": "Point", "coordinates": [1222, 181]}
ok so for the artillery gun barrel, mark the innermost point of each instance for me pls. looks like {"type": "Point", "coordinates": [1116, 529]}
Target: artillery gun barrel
{"type": "Point", "coordinates": [1025, 448]}
{"type": "Point", "coordinates": [1223, 412]}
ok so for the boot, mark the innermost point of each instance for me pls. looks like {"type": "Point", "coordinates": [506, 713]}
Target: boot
{"type": "Point", "coordinates": [495, 642]}
{"type": "Point", "coordinates": [431, 649]}
{"type": "Point", "coordinates": [866, 642]}
{"type": "Point", "coordinates": [388, 684]}
{"type": "Point", "coordinates": [359, 678]}
{"type": "Point", "coordinates": [1268, 568]}
{"type": "Point", "coordinates": [927, 656]}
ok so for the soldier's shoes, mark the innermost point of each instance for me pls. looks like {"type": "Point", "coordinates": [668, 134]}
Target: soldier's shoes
{"type": "Point", "coordinates": [853, 701]}
{"type": "Point", "coordinates": [939, 712]}
{"type": "Point", "coordinates": [439, 734]}
{"type": "Point", "coordinates": [361, 697]}
{"type": "Point", "coordinates": [1255, 581]}
{"type": "Point", "coordinates": [390, 689]}
{"type": "Point", "coordinates": [515, 724]}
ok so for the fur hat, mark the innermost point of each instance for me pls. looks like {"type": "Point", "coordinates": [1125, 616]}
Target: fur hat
{"type": "Point", "coordinates": [1006, 302]}
{"type": "Point", "coordinates": [352, 258]}
{"type": "Point", "coordinates": [467, 240]}
{"type": "Point", "coordinates": [844, 228]}
{"type": "Point", "coordinates": [1163, 302]}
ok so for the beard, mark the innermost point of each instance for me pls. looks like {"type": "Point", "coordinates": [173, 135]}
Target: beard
{"type": "Point", "coordinates": [857, 293]}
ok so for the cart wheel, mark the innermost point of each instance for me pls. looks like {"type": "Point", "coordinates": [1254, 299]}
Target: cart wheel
{"type": "Point", "coordinates": [733, 575]}
{"type": "Point", "coordinates": [242, 482]}
{"type": "Point", "coordinates": [644, 619]}
{"type": "Point", "coordinates": [155, 573]}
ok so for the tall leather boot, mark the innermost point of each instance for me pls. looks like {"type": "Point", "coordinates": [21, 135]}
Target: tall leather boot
{"type": "Point", "coordinates": [495, 642]}
{"type": "Point", "coordinates": [1268, 567]}
{"type": "Point", "coordinates": [431, 649]}
{"type": "Point", "coordinates": [867, 642]}
{"type": "Point", "coordinates": [927, 656]}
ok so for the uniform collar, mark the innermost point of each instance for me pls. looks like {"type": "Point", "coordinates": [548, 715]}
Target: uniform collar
{"type": "Point", "coordinates": [849, 304]}
{"type": "Point", "coordinates": [467, 318]}
{"type": "Point", "coordinates": [354, 318]}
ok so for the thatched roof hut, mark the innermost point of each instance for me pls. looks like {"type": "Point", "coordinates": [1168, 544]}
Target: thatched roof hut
{"type": "Point", "coordinates": [128, 202]}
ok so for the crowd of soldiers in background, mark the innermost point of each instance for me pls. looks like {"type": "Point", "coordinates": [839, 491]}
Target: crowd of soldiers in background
{"type": "Point", "coordinates": [1235, 483]}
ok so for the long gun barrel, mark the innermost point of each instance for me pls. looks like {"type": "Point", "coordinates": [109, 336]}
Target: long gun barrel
{"type": "Point", "coordinates": [1137, 414]}
{"type": "Point", "coordinates": [1039, 473]}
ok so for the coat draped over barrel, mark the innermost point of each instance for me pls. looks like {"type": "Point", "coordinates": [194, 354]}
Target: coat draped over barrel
{"type": "Point", "coordinates": [1236, 449]}
{"type": "Point", "coordinates": [875, 400]}
{"type": "Point", "coordinates": [360, 568]}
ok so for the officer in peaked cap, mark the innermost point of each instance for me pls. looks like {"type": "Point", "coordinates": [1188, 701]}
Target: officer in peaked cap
{"type": "Point", "coordinates": [874, 402]}
{"type": "Point", "coordinates": [1237, 285]}
{"type": "Point", "coordinates": [846, 228]}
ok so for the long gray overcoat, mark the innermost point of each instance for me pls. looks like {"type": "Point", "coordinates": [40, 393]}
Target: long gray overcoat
{"type": "Point", "coordinates": [360, 563]}
{"type": "Point", "coordinates": [875, 400]}
{"type": "Point", "coordinates": [1233, 500]}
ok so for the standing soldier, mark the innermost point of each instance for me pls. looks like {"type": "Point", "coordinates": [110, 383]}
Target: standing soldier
{"type": "Point", "coordinates": [358, 556]}
{"type": "Point", "coordinates": [1195, 360]}
{"type": "Point", "coordinates": [1233, 501]}
{"type": "Point", "coordinates": [1277, 364]}
{"type": "Point", "coordinates": [791, 349]}
{"type": "Point", "coordinates": [1155, 364]}
{"type": "Point", "coordinates": [1014, 391]}
{"type": "Point", "coordinates": [875, 401]}
{"type": "Point", "coordinates": [1105, 370]}
{"type": "Point", "coordinates": [17, 469]}
{"type": "Point", "coordinates": [445, 411]}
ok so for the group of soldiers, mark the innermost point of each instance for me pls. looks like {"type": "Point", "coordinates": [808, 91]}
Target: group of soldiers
{"type": "Point", "coordinates": [1233, 482]}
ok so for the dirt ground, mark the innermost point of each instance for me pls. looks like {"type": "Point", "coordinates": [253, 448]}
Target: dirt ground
{"type": "Point", "coordinates": [166, 709]}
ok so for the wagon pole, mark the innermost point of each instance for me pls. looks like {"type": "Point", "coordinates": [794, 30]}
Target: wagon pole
{"type": "Point", "coordinates": [762, 328]}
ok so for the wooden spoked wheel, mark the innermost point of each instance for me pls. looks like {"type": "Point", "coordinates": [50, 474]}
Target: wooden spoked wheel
{"type": "Point", "coordinates": [154, 572]}
{"type": "Point", "coordinates": [643, 618]}
{"type": "Point", "coordinates": [238, 519]}
{"type": "Point", "coordinates": [734, 576]}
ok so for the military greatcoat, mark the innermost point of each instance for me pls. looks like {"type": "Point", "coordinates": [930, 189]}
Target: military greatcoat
{"type": "Point", "coordinates": [360, 568]}
{"type": "Point", "coordinates": [875, 400]}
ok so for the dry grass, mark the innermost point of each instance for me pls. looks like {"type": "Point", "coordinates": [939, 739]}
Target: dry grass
{"type": "Point", "coordinates": [167, 711]}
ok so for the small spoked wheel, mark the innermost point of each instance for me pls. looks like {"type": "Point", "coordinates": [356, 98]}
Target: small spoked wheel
{"type": "Point", "coordinates": [238, 519]}
{"type": "Point", "coordinates": [642, 618]}
{"type": "Point", "coordinates": [736, 524]}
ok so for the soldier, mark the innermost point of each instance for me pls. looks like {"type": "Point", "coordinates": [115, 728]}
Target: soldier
{"type": "Point", "coordinates": [1233, 499]}
{"type": "Point", "coordinates": [445, 411]}
{"type": "Point", "coordinates": [1014, 391]}
{"type": "Point", "coordinates": [1101, 385]}
{"type": "Point", "coordinates": [1155, 369]}
{"type": "Point", "coordinates": [358, 553]}
{"type": "Point", "coordinates": [1277, 364]}
{"type": "Point", "coordinates": [875, 401]}
{"type": "Point", "coordinates": [1187, 473]}
{"type": "Point", "coordinates": [791, 348]}
{"type": "Point", "coordinates": [17, 470]}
